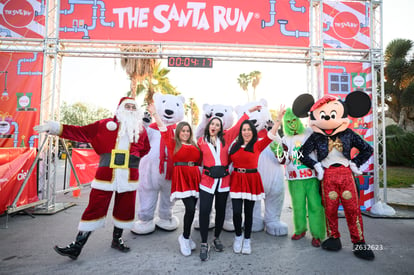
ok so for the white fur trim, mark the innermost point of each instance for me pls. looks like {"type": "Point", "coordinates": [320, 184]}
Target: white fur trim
{"type": "Point", "coordinates": [163, 128]}
{"type": "Point", "coordinates": [247, 196]}
{"type": "Point", "coordinates": [111, 126]}
{"type": "Point", "coordinates": [271, 136]}
{"type": "Point", "coordinates": [182, 195]}
{"type": "Point", "coordinates": [127, 100]}
{"type": "Point", "coordinates": [123, 224]}
{"type": "Point", "coordinates": [91, 225]}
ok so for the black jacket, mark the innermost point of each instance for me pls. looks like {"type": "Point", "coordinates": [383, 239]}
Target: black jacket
{"type": "Point", "coordinates": [319, 143]}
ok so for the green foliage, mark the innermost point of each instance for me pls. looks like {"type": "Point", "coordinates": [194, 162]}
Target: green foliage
{"type": "Point", "coordinates": [399, 81]}
{"type": "Point", "coordinates": [400, 149]}
{"type": "Point", "coordinates": [82, 114]}
{"type": "Point", "coordinates": [392, 130]}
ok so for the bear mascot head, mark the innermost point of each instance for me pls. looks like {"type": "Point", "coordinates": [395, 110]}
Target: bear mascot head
{"type": "Point", "coordinates": [224, 112]}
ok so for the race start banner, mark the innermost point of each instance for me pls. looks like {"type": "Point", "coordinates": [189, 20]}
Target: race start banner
{"type": "Point", "coordinates": [276, 23]}
{"type": "Point", "coordinates": [14, 166]}
{"type": "Point", "coordinates": [21, 88]}
{"type": "Point", "coordinates": [86, 162]}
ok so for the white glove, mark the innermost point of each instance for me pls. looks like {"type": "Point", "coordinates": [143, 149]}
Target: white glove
{"type": "Point", "coordinates": [354, 168]}
{"type": "Point", "coordinates": [319, 170]}
{"type": "Point", "coordinates": [50, 127]}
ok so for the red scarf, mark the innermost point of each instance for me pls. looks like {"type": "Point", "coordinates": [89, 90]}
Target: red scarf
{"type": "Point", "coordinates": [163, 156]}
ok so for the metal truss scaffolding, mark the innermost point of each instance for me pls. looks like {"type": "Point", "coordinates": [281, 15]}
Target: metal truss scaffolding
{"type": "Point", "coordinates": [55, 49]}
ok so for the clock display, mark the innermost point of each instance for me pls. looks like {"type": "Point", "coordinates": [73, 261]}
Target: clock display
{"type": "Point", "coordinates": [190, 62]}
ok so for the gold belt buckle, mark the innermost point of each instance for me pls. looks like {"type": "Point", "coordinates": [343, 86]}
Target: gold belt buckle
{"type": "Point", "coordinates": [119, 159]}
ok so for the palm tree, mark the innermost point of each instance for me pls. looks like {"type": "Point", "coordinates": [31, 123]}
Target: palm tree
{"type": "Point", "coordinates": [137, 68]}
{"type": "Point", "coordinates": [157, 82]}
{"type": "Point", "coordinates": [255, 77]}
{"type": "Point", "coordinates": [244, 81]}
{"type": "Point", "coordinates": [399, 84]}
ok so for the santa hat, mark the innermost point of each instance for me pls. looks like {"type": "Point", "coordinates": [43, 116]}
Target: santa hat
{"type": "Point", "coordinates": [323, 101]}
{"type": "Point", "coordinates": [126, 100]}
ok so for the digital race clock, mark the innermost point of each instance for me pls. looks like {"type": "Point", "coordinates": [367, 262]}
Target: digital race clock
{"type": "Point", "coordinates": [190, 62]}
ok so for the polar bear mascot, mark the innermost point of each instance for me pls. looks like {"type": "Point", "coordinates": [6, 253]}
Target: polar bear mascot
{"type": "Point", "coordinates": [155, 170]}
{"type": "Point", "coordinates": [272, 174]}
{"type": "Point", "coordinates": [226, 113]}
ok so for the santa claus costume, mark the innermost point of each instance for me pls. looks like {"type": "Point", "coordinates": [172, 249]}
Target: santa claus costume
{"type": "Point", "coordinates": [120, 142]}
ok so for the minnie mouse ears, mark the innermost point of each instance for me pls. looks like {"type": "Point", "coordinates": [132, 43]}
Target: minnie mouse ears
{"type": "Point", "coordinates": [357, 103]}
{"type": "Point", "coordinates": [302, 105]}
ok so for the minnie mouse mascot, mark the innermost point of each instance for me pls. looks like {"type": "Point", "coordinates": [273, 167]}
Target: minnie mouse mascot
{"type": "Point", "coordinates": [332, 142]}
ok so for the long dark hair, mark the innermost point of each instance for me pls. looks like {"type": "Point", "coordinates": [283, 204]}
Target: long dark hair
{"type": "Point", "coordinates": [219, 134]}
{"type": "Point", "coordinates": [239, 141]}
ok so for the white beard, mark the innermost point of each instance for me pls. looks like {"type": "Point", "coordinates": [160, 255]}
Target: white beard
{"type": "Point", "coordinates": [130, 123]}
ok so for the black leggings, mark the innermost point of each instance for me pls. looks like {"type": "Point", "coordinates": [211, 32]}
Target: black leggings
{"type": "Point", "coordinates": [206, 202]}
{"type": "Point", "coordinates": [248, 216]}
{"type": "Point", "coordinates": [190, 205]}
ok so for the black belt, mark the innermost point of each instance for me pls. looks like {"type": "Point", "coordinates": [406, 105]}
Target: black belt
{"type": "Point", "coordinates": [244, 170]}
{"type": "Point", "coordinates": [217, 171]}
{"type": "Point", "coordinates": [336, 165]}
{"type": "Point", "coordinates": [105, 160]}
{"type": "Point", "coordinates": [190, 163]}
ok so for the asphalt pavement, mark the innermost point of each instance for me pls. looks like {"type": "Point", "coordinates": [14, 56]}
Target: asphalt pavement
{"type": "Point", "coordinates": [26, 247]}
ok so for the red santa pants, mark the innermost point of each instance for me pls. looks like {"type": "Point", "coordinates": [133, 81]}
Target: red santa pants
{"type": "Point", "coordinates": [99, 200]}
{"type": "Point", "coordinates": [339, 185]}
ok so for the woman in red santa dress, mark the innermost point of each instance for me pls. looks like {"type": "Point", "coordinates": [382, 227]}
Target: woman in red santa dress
{"type": "Point", "coordinates": [120, 142]}
{"type": "Point", "coordinates": [215, 179]}
{"type": "Point", "coordinates": [246, 185]}
{"type": "Point", "coordinates": [186, 176]}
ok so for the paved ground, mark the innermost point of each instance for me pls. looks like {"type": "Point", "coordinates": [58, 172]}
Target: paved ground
{"type": "Point", "coordinates": [26, 248]}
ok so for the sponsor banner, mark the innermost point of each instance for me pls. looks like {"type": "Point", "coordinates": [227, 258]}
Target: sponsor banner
{"type": "Point", "coordinates": [14, 166]}
{"type": "Point", "coordinates": [342, 78]}
{"type": "Point", "coordinates": [86, 162]}
{"type": "Point", "coordinates": [22, 18]}
{"type": "Point", "coordinates": [346, 25]}
{"type": "Point", "coordinates": [20, 87]}
{"type": "Point", "coordinates": [275, 23]}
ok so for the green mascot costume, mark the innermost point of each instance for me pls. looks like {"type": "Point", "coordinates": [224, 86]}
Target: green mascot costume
{"type": "Point", "coordinates": [302, 181]}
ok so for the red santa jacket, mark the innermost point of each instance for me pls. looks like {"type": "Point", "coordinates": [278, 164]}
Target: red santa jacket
{"type": "Point", "coordinates": [103, 136]}
{"type": "Point", "coordinates": [219, 157]}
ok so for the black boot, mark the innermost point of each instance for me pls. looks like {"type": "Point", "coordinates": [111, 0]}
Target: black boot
{"type": "Point", "coordinates": [117, 241]}
{"type": "Point", "coordinates": [363, 251]}
{"type": "Point", "coordinates": [74, 249]}
{"type": "Point", "coordinates": [332, 244]}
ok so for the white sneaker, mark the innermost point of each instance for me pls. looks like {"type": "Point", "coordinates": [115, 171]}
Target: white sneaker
{"type": "Point", "coordinates": [246, 247]}
{"type": "Point", "coordinates": [184, 245]}
{"type": "Point", "coordinates": [192, 244]}
{"type": "Point", "coordinates": [237, 244]}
